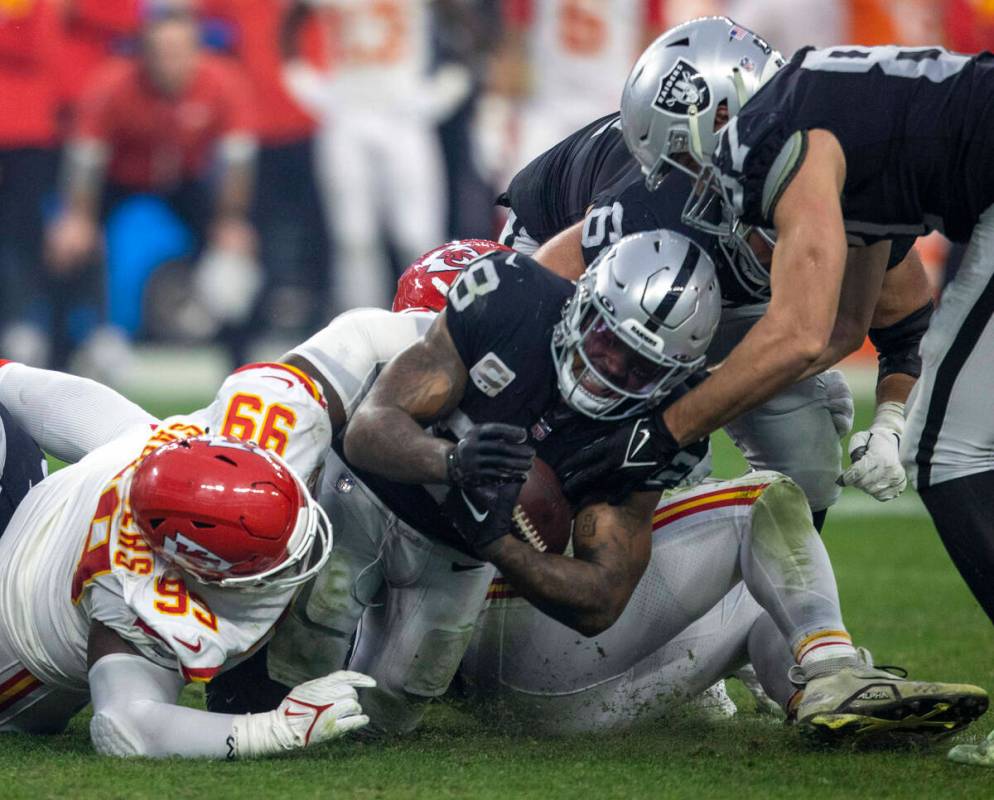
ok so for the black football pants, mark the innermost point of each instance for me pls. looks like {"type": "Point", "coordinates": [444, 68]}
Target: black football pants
{"type": "Point", "coordinates": [961, 510]}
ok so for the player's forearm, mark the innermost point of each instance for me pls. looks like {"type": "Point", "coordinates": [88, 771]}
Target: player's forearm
{"type": "Point", "coordinates": [421, 384]}
{"type": "Point", "coordinates": [768, 359]}
{"type": "Point", "coordinates": [66, 415]}
{"type": "Point", "coordinates": [895, 388]}
{"type": "Point", "coordinates": [577, 593]}
{"type": "Point", "coordinates": [389, 442]}
{"type": "Point", "coordinates": [135, 713]}
{"type": "Point", "coordinates": [161, 730]}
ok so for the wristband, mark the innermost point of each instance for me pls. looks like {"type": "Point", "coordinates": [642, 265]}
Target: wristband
{"type": "Point", "coordinates": [890, 417]}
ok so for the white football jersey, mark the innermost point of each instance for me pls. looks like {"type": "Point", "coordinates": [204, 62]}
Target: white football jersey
{"type": "Point", "coordinates": [380, 50]}
{"type": "Point", "coordinates": [71, 553]}
{"type": "Point", "coordinates": [355, 346]}
{"type": "Point", "coordinates": [582, 51]}
{"type": "Point", "coordinates": [276, 406]}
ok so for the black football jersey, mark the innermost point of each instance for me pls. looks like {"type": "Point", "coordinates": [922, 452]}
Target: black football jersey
{"type": "Point", "coordinates": [554, 190]}
{"type": "Point", "coordinates": [500, 315]}
{"type": "Point", "coordinates": [916, 126]}
{"type": "Point", "coordinates": [628, 207]}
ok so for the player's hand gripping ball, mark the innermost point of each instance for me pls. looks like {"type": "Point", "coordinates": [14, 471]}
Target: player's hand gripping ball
{"type": "Point", "coordinates": [534, 510]}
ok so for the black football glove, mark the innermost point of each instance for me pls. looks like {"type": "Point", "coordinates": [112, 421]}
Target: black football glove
{"type": "Point", "coordinates": [637, 449]}
{"type": "Point", "coordinates": [490, 453]}
{"type": "Point", "coordinates": [482, 514]}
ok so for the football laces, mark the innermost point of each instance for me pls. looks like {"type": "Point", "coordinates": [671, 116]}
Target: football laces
{"type": "Point", "coordinates": [527, 529]}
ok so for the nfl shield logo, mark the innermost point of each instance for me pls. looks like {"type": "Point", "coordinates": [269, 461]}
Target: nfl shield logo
{"type": "Point", "coordinates": [683, 87]}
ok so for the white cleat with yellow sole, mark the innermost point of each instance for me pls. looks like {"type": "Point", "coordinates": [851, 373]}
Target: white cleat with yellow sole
{"type": "Point", "coordinates": [863, 702]}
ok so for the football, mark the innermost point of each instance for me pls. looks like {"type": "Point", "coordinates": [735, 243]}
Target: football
{"type": "Point", "coordinates": [543, 516]}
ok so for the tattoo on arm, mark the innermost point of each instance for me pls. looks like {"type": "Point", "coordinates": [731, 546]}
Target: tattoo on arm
{"type": "Point", "coordinates": [588, 592]}
{"type": "Point", "coordinates": [422, 384]}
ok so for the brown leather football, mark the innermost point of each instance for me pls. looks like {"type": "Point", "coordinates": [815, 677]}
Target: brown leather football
{"type": "Point", "coordinates": [543, 516]}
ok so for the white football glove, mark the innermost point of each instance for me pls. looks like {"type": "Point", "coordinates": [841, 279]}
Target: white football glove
{"type": "Point", "coordinates": [313, 712]}
{"type": "Point", "coordinates": [839, 400]}
{"type": "Point", "coordinates": [876, 463]}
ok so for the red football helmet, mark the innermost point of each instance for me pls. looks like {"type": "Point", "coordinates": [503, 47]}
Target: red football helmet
{"type": "Point", "coordinates": [424, 284]}
{"type": "Point", "coordinates": [229, 513]}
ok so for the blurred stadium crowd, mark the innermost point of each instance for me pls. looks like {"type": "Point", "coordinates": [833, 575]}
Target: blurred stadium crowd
{"type": "Point", "coordinates": [238, 170]}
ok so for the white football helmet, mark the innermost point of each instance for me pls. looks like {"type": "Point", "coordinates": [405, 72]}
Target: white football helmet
{"type": "Point", "coordinates": [639, 323]}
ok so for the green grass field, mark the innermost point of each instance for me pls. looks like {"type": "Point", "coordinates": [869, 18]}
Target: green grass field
{"type": "Point", "coordinates": [902, 598]}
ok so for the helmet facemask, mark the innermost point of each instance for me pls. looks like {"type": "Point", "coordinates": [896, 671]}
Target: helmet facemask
{"type": "Point", "coordinates": [308, 549]}
{"type": "Point", "coordinates": [750, 271]}
{"type": "Point", "coordinates": [610, 368]}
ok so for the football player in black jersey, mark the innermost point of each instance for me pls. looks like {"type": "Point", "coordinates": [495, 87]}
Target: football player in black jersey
{"type": "Point", "coordinates": [553, 190]}
{"type": "Point", "coordinates": [839, 152]}
{"type": "Point", "coordinates": [505, 364]}
{"type": "Point", "coordinates": [522, 363]}
{"type": "Point", "coordinates": [592, 172]}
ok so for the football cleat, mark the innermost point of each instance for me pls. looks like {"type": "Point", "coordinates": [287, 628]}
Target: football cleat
{"type": "Point", "coordinates": [863, 702]}
{"type": "Point", "coordinates": [980, 755]}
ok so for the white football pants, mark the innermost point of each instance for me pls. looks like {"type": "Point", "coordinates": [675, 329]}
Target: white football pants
{"type": "Point", "coordinates": [417, 599]}
{"type": "Point", "coordinates": [379, 172]}
{"type": "Point", "coordinates": [950, 428]}
{"type": "Point", "coordinates": [686, 626]}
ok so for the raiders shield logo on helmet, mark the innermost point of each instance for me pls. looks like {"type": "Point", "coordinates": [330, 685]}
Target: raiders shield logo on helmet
{"type": "Point", "coordinates": [681, 88]}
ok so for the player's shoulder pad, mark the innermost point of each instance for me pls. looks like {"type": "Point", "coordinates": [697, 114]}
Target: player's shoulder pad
{"type": "Point", "coordinates": [756, 160]}
{"type": "Point", "coordinates": [498, 294]}
{"type": "Point", "coordinates": [502, 287]}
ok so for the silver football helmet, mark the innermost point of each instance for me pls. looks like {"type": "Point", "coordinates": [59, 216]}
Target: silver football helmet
{"type": "Point", "coordinates": [639, 323]}
{"type": "Point", "coordinates": [676, 88]}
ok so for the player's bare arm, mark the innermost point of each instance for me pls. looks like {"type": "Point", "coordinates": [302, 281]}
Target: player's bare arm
{"type": "Point", "coordinates": [611, 547]}
{"type": "Point", "coordinates": [861, 286]}
{"type": "Point", "coordinates": [905, 293]}
{"type": "Point", "coordinates": [898, 323]}
{"type": "Point", "coordinates": [422, 384]}
{"type": "Point", "coordinates": [806, 275]}
{"type": "Point", "coordinates": [562, 254]}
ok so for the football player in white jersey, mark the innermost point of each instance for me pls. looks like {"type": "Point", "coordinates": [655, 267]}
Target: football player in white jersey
{"type": "Point", "coordinates": [378, 105]}
{"type": "Point", "coordinates": [578, 53]}
{"type": "Point", "coordinates": [162, 557]}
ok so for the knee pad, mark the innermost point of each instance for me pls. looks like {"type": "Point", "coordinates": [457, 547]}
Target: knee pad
{"type": "Point", "coordinates": [111, 737]}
